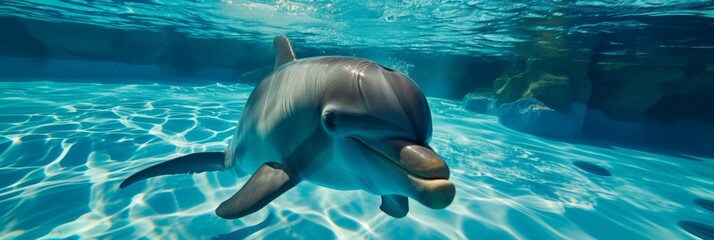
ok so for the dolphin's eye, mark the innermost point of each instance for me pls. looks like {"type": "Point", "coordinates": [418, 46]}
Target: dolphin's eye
{"type": "Point", "coordinates": [328, 120]}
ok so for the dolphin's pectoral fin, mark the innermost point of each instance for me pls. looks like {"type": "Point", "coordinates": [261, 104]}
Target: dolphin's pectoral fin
{"type": "Point", "coordinates": [192, 163]}
{"type": "Point", "coordinates": [395, 205]}
{"type": "Point", "coordinates": [266, 184]}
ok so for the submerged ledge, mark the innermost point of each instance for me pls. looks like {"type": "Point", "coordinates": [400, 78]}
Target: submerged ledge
{"type": "Point", "coordinates": [528, 115]}
{"type": "Point", "coordinates": [105, 71]}
{"type": "Point", "coordinates": [178, 54]}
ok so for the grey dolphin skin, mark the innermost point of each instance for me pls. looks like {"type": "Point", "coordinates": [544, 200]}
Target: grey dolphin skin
{"type": "Point", "coordinates": [339, 122]}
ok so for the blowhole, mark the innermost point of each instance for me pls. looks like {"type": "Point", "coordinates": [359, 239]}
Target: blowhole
{"type": "Point", "coordinates": [386, 68]}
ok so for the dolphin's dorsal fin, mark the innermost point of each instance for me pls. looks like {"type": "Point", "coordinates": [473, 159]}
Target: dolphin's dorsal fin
{"type": "Point", "coordinates": [283, 51]}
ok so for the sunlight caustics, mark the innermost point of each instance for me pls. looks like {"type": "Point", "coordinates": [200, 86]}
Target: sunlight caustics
{"type": "Point", "coordinates": [62, 158]}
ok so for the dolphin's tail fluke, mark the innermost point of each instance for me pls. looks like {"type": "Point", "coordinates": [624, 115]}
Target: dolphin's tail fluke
{"type": "Point", "coordinates": [192, 163]}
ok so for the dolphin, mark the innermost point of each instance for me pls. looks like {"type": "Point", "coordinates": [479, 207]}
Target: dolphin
{"type": "Point", "coordinates": [339, 122]}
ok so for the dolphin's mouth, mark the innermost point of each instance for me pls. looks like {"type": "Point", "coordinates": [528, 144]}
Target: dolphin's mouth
{"type": "Point", "coordinates": [427, 172]}
{"type": "Point", "coordinates": [416, 160]}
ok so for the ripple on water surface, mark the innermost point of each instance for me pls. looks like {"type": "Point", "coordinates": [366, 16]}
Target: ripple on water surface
{"type": "Point", "coordinates": [62, 160]}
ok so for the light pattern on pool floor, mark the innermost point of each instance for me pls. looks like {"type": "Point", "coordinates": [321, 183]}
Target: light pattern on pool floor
{"type": "Point", "coordinates": [65, 147]}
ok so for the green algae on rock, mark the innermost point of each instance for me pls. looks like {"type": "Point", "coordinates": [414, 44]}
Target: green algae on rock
{"type": "Point", "coordinates": [555, 82]}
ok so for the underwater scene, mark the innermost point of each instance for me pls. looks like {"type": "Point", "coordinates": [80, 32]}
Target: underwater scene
{"type": "Point", "coordinates": [328, 119]}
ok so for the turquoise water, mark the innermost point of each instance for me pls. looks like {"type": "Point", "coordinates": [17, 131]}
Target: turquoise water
{"type": "Point", "coordinates": [65, 147]}
{"type": "Point", "coordinates": [92, 91]}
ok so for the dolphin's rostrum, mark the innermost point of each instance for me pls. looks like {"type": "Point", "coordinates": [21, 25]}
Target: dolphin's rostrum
{"type": "Point", "coordinates": [339, 122]}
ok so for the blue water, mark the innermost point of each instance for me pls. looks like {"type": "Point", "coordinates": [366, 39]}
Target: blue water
{"type": "Point", "coordinates": [74, 123]}
{"type": "Point", "coordinates": [65, 147]}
